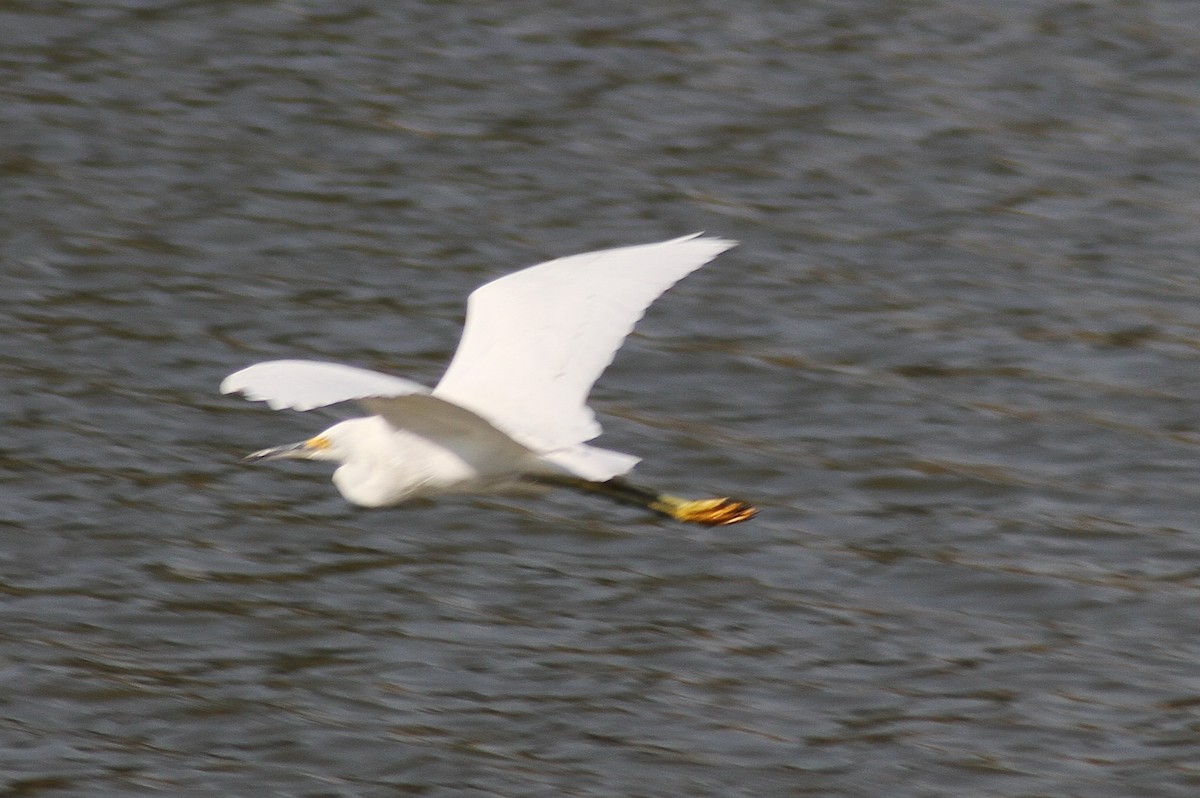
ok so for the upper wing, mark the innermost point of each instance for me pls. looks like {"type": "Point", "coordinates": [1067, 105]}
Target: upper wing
{"type": "Point", "coordinates": [308, 384]}
{"type": "Point", "coordinates": [535, 341]}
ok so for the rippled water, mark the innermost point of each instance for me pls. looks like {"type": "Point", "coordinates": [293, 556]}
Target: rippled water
{"type": "Point", "coordinates": [954, 360]}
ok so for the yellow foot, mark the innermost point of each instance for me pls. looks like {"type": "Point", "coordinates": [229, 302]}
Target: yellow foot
{"type": "Point", "coordinates": [711, 512]}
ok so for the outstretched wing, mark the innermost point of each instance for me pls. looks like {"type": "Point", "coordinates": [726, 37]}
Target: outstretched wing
{"type": "Point", "coordinates": [406, 405]}
{"type": "Point", "coordinates": [535, 341]}
{"type": "Point", "coordinates": [308, 384]}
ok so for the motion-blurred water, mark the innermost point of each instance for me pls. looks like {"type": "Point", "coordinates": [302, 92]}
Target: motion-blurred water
{"type": "Point", "coordinates": [955, 360]}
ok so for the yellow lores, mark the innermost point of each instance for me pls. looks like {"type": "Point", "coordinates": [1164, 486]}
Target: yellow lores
{"type": "Point", "coordinates": [510, 413]}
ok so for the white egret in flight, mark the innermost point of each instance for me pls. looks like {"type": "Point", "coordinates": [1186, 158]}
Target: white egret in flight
{"type": "Point", "coordinates": [511, 410]}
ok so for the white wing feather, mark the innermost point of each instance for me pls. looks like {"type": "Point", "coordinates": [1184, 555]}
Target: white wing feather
{"type": "Point", "coordinates": [308, 384]}
{"type": "Point", "coordinates": [406, 405]}
{"type": "Point", "coordinates": [535, 341]}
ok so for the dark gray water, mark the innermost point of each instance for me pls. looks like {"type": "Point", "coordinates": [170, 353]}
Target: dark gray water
{"type": "Point", "coordinates": [956, 360]}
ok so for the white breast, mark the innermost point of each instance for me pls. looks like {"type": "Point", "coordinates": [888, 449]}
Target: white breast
{"type": "Point", "coordinates": [388, 466]}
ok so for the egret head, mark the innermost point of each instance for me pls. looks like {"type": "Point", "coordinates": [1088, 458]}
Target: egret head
{"type": "Point", "coordinates": [369, 473]}
{"type": "Point", "coordinates": [331, 445]}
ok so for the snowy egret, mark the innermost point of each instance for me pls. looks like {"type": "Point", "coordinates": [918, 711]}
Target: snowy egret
{"type": "Point", "coordinates": [511, 411]}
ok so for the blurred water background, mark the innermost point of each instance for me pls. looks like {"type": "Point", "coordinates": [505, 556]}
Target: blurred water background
{"type": "Point", "coordinates": [956, 360]}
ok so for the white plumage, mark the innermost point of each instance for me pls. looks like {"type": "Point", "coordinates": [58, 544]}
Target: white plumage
{"type": "Point", "coordinates": [512, 406]}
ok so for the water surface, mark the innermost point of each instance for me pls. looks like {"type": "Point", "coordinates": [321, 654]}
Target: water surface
{"type": "Point", "coordinates": [954, 360]}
